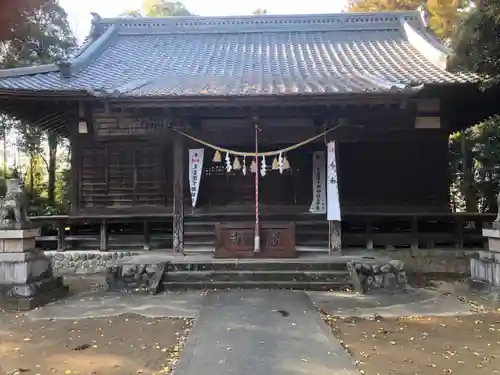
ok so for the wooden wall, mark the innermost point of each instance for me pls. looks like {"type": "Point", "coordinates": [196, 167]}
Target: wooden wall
{"type": "Point", "coordinates": [395, 176]}
{"type": "Point", "coordinates": [123, 174]}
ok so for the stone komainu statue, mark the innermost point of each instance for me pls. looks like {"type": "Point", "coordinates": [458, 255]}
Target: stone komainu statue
{"type": "Point", "coordinates": [14, 206]}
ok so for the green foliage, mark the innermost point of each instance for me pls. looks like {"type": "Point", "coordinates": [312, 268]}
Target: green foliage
{"type": "Point", "coordinates": [15, 13]}
{"type": "Point", "coordinates": [476, 183]}
{"type": "Point", "coordinates": [62, 190]}
{"type": "Point", "coordinates": [443, 14]}
{"type": "Point", "coordinates": [259, 12]}
{"type": "Point", "coordinates": [159, 8]}
{"type": "Point", "coordinates": [2, 181]}
{"type": "Point", "coordinates": [476, 43]}
{"type": "Point", "coordinates": [43, 37]}
{"type": "Point", "coordinates": [35, 181]}
{"type": "Point", "coordinates": [383, 5]}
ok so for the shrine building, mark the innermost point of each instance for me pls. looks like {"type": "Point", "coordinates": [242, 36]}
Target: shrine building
{"type": "Point", "coordinates": [165, 117]}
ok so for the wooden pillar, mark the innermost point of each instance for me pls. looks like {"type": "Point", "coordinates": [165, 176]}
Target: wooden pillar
{"type": "Point", "coordinates": [335, 240]}
{"type": "Point", "coordinates": [178, 214]}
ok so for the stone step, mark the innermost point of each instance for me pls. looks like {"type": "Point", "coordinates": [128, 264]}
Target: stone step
{"type": "Point", "coordinates": [257, 265]}
{"type": "Point", "coordinates": [307, 285]}
{"type": "Point", "coordinates": [341, 277]}
{"type": "Point", "coordinates": [191, 242]}
{"type": "Point", "coordinates": [316, 273]}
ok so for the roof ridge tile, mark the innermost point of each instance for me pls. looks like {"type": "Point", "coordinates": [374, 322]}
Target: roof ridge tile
{"type": "Point", "coordinates": [312, 22]}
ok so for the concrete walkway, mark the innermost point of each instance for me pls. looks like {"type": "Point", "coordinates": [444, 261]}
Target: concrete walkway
{"type": "Point", "coordinates": [262, 332]}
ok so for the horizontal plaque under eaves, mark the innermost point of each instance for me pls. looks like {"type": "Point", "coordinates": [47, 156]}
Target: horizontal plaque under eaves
{"type": "Point", "coordinates": [125, 126]}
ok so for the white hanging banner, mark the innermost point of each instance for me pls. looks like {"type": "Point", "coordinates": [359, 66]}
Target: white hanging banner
{"type": "Point", "coordinates": [332, 186]}
{"type": "Point", "coordinates": [318, 205]}
{"type": "Point", "coordinates": [195, 172]}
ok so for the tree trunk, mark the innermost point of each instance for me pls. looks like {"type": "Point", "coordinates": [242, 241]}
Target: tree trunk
{"type": "Point", "coordinates": [4, 153]}
{"type": "Point", "coordinates": [51, 188]}
{"type": "Point", "coordinates": [32, 180]}
{"type": "Point", "coordinates": [468, 189]}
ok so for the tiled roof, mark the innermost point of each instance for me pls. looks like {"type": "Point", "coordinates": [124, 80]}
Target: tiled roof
{"type": "Point", "coordinates": [258, 55]}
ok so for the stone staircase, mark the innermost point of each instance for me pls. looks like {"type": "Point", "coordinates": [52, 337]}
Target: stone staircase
{"type": "Point", "coordinates": [262, 273]}
{"type": "Point", "coordinates": [156, 271]}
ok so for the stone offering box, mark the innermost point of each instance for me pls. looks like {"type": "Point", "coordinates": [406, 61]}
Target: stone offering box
{"type": "Point", "coordinates": [26, 277]}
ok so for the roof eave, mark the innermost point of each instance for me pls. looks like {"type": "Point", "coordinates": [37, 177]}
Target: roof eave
{"type": "Point", "coordinates": [23, 93]}
{"type": "Point", "coordinates": [426, 44]}
{"type": "Point", "coordinates": [207, 99]}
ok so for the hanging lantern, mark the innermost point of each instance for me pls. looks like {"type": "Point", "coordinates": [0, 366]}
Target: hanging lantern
{"type": "Point", "coordinates": [253, 166]}
{"type": "Point", "coordinates": [286, 164]}
{"type": "Point", "coordinates": [280, 161]}
{"type": "Point", "coordinates": [263, 167]}
{"type": "Point", "coordinates": [244, 167]}
{"type": "Point", "coordinates": [229, 168]}
{"type": "Point", "coordinates": [217, 158]}
{"type": "Point", "coordinates": [236, 164]}
{"type": "Point", "coordinates": [275, 165]}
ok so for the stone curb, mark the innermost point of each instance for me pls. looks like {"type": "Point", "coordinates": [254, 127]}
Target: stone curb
{"type": "Point", "coordinates": [85, 262]}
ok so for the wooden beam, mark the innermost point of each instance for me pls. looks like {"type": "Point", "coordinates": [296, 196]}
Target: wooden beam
{"type": "Point", "coordinates": [178, 180]}
{"type": "Point", "coordinates": [258, 100]}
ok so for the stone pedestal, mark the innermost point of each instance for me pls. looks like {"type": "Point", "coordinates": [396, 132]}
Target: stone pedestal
{"type": "Point", "coordinates": [485, 265]}
{"type": "Point", "coordinates": [26, 278]}
{"type": "Point", "coordinates": [493, 236]}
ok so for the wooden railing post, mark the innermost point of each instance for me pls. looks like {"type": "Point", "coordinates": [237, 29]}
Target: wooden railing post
{"type": "Point", "coordinates": [414, 242]}
{"type": "Point", "coordinates": [369, 234]}
{"type": "Point", "coordinates": [459, 232]}
{"type": "Point", "coordinates": [61, 243]}
{"type": "Point", "coordinates": [178, 214]}
{"type": "Point", "coordinates": [147, 237]}
{"type": "Point", "coordinates": [104, 235]}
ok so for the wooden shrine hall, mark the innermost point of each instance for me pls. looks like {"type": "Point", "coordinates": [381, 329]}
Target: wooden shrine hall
{"type": "Point", "coordinates": [178, 120]}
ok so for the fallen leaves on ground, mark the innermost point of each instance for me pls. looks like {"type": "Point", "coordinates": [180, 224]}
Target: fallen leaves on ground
{"type": "Point", "coordinates": [460, 345]}
{"type": "Point", "coordinates": [107, 346]}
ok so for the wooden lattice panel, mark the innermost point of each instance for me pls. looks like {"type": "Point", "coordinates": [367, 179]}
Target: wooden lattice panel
{"type": "Point", "coordinates": [93, 187]}
{"type": "Point", "coordinates": [150, 178]}
{"type": "Point", "coordinates": [121, 179]}
{"type": "Point", "coordinates": [123, 175]}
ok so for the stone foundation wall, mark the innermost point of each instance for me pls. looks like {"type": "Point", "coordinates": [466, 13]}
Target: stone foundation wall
{"type": "Point", "coordinates": [433, 261]}
{"type": "Point", "coordinates": [85, 262]}
{"type": "Point", "coordinates": [486, 267]}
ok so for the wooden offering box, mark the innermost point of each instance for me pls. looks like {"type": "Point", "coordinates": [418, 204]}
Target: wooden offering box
{"type": "Point", "coordinates": [236, 240]}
